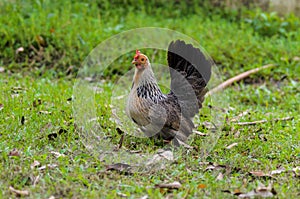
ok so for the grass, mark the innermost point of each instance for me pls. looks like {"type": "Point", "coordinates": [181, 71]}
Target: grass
{"type": "Point", "coordinates": [36, 117]}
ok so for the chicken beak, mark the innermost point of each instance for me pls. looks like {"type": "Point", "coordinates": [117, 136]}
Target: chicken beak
{"type": "Point", "coordinates": [135, 61]}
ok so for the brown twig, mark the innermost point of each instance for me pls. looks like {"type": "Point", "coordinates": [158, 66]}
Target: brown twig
{"type": "Point", "coordinates": [237, 78]}
{"type": "Point", "coordinates": [264, 121]}
{"type": "Point", "coordinates": [121, 141]}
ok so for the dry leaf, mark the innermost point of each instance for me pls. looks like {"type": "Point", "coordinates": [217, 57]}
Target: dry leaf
{"type": "Point", "coordinates": [232, 145]}
{"type": "Point", "coordinates": [201, 186]}
{"type": "Point", "coordinates": [205, 163]}
{"type": "Point", "coordinates": [121, 167]}
{"type": "Point", "coordinates": [161, 155]}
{"type": "Point", "coordinates": [34, 164]}
{"type": "Point", "coordinates": [21, 49]}
{"type": "Point", "coordinates": [237, 134]}
{"type": "Point", "coordinates": [260, 174]}
{"type": "Point", "coordinates": [257, 173]}
{"type": "Point", "coordinates": [215, 166]}
{"type": "Point", "coordinates": [135, 151]}
{"type": "Point", "coordinates": [57, 154]}
{"type": "Point", "coordinates": [45, 112]}
{"type": "Point", "coordinates": [42, 167]}
{"type": "Point", "coordinates": [220, 176]}
{"type": "Point", "coordinates": [278, 171]}
{"type": "Point", "coordinates": [296, 170]}
{"type": "Point", "coordinates": [14, 152]}
{"type": "Point", "coordinates": [296, 58]}
{"type": "Point", "coordinates": [173, 185]}
{"type": "Point", "coordinates": [19, 192]}
{"type": "Point", "coordinates": [261, 191]}
{"type": "Point", "coordinates": [162, 191]}
{"type": "Point", "coordinates": [1, 106]}
{"type": "Point", "coordinates": [166, 154]}
{"type": "Point", "coordinates": [247, 195]}
{"type": "Point", "coordinates": [50, 166]}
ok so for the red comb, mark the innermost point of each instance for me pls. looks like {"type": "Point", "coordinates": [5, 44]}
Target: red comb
{"type": "Point", "coordinates": [137, 53]}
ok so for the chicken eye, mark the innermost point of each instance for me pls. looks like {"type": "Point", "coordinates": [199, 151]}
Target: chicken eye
{"type": "Point", "coordinates": [142, 59]}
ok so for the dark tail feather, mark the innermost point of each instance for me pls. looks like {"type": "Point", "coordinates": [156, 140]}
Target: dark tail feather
{"type": "Point", "coordinates": [188, 64]}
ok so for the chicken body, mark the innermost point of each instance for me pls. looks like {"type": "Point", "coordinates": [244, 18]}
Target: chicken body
{"type": "Point", "coordinates": [145, 93]}
{"type": "Point", "coordinates": [169, 116]}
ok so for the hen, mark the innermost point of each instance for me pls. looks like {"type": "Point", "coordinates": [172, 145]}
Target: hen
{"type": "Point", "coordinates": [169, 117]}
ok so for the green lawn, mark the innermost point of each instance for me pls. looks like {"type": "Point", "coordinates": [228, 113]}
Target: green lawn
{"type": "Point", "coordinates": [41, 144]}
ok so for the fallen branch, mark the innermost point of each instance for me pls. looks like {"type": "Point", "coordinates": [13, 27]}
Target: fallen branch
{"type": "Point", "coordinates": [264, 121]}
{"type": "Point", "coordinates": [237, 78]}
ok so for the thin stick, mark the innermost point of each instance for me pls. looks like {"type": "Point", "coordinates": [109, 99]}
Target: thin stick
{"type": "Point", "coordinates": [252, 123]}
{"type": "Point", "coordinates": [264, 121]}
{"type": "Point", "coordinates": [237, 78]}
{"type": "Point", "coordinates": [283, 119]}
{"type": "Point", "coordinates": [199, 133]}
{"type": "Point", "coordinates": [121, 141]}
